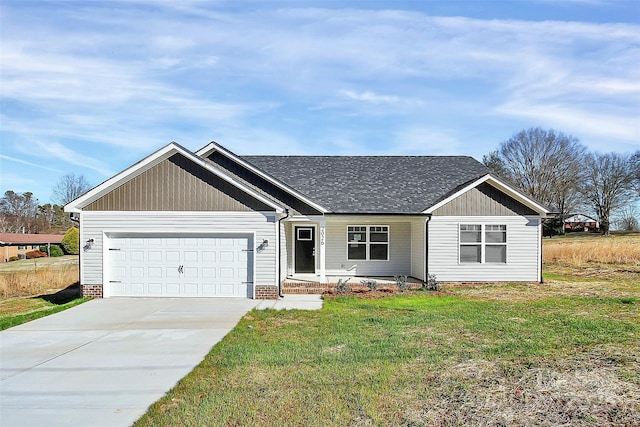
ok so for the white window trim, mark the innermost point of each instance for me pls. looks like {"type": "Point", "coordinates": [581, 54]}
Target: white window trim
{"type": "Point", "coordinates": [368, 242]}
{"type": "Point", "coordinates": [483, 244]}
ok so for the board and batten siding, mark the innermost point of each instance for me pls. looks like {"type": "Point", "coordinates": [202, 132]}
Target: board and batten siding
{"type": "Point", "coordinates": [177, 184]}
{"type": "Point", "coordinates": [523, 250]}
{"type": "Point", "coordinates": [483, 200]}
{"type": "Point", "coordinates": [94, 225]}
{"type": "Point", "coordinates": [399, 262]}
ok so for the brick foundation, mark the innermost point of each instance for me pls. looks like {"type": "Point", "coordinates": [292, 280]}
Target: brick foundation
{"type": "Point", "coordinates": [302, 288]}
{"type": "Point", "coordinates": [92, 291]}
{"type": "Point", "coordinates": [266, 292]}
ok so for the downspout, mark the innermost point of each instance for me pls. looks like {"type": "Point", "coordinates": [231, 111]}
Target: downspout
{"type": "Point", "coordinates": [426, 249]}
{"type": "Point", "coordinates": [278, 252]}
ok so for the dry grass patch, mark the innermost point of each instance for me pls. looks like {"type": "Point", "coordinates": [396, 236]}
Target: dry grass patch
{"type": "Point", "coordinates": [29, 290]}
{"type": "Point", "coordinates": [30, 283]}
{"type": "Point", "coordinates": [621, 250]}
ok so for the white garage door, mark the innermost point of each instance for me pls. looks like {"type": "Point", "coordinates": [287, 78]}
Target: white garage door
{"type": "Point", "coordinates": [162, 266]}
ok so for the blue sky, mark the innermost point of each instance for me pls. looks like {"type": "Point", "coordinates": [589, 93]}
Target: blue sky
{"type": "Point", "coordinates": [92, 87]}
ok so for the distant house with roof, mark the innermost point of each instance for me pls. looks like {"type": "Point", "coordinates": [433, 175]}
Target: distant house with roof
{"type": "Point", "coordinates": [580, 222]}
{"type": "Point", "coordinates": [18, 244]}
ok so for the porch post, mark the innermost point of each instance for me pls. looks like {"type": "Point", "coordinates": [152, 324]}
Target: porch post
{"type": "Point", "coordinates": [322, 226]}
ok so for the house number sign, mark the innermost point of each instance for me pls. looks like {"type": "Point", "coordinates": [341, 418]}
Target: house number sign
{"type": "Point", "coordinates": [322, 230]}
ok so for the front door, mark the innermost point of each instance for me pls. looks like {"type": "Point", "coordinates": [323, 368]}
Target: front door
{"type": "Point", "coordinates": [305, 250]}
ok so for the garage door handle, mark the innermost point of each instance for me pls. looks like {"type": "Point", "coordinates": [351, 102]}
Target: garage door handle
{"type": "Point", "coordinates": [181, 269]}
{"type": "Point", "coordinates": [115, 281]}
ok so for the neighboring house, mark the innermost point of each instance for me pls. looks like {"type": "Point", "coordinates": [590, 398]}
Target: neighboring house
{"type": "Point", "coordinates": [212, 223]}
{"type": "Point", "coordinates": [580, 222]}
{"type": "Point", "coordinates": [17, 244]}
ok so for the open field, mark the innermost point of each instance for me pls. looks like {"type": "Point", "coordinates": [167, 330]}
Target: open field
{"type": "Point", "coordinates": [35, 288]}
{"type": "Point", "coordinates": [566, 352]}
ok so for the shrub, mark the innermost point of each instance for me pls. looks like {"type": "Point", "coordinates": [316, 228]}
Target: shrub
{"type": "Point", "coordinates": [13, 258]}
{"type": "Point", "coordinates": [55, 250]}
{"type": "Point", "coordinates": [369, 283]}
{"type": "Point", "coordinates": [342, 287]}
{"type": "Point", "coordinates": [35, 254]}
{"type": "Point", "coordinates": [431, 284]}
{"type": "Point", "coordinates": [71, 241]}
{"type": "Point", "coordinates": [401, 282]}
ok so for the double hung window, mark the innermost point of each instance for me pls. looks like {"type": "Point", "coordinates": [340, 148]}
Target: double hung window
{"type": "Point", "coordinates": [368, 242]}
{"type": "Point", "coordinates": [483, 243]}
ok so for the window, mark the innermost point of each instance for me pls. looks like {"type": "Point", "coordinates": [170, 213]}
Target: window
{"type": "Point", "coordinates": [368, 242]}
{"type": "Point", "coordinates": [22, 247]}
{"type": "Point", "coordinates": [305, 234]}
{"type": "Point", "coordinates": [483, 243]}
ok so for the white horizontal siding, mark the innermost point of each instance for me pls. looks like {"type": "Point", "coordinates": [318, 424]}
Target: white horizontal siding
{"type": "Point", "coordinates": [94, 225]}
{"type": "Point", "coordinates": [523, 257]}
{"type": "Point", "coordinates": [399, 249]}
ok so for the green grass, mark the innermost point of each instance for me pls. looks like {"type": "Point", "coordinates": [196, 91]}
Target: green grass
{"type": "Point", "coordinates": [16, 311]}
{"type": "Point", "coordinates": [452, 358]}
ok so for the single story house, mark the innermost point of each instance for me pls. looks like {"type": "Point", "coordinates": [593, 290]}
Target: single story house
{"type": "Point", "coordinates": [215, 224]}
{"type": "Point", "coordinates": [18, 244]}
{"type": "Point", "coordinates": [580, 222]}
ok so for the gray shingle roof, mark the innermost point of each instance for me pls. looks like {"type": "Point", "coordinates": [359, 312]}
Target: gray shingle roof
{"type": "Point", "coordinates": [372, 184]}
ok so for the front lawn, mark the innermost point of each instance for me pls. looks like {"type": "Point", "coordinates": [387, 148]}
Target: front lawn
{"type": "Point", "coordinates": [552, 354]}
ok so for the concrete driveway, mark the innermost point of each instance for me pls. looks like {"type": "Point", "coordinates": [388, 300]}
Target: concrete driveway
{"type": "Point", "coordinates": [104, 362]}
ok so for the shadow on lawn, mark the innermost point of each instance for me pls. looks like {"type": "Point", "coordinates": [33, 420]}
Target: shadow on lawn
{"type": "Point", "coordinates": [63, 296]}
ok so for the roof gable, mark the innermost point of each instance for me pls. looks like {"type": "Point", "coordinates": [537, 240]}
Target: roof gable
{"type": "Point", "coordinates": [149, 162]}
{"type": "Point", "coordinates": [177, 184]}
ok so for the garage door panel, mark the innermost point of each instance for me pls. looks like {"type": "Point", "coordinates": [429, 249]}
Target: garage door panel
{"type": "Point", "coordinates": [180, 266]}
{"type": "Point", "coordinates": [191, 289]}
{"type": "Point", "coordinates": [208, 289]}
{"type": "Point", "coordinates": [190, 272]}
{"type": "Point", "coordinates": [154, 256]}
{"type": "Point", "coordinates": [154, 272]}
{"type": "Point", "coordinates": [155, 289]}
{"type": "Point", "coordinates": [172, 256]}
{"type": "Point", "coordinates": [172, 289]}
{"type": "Point", "coordinates": [209, 273]}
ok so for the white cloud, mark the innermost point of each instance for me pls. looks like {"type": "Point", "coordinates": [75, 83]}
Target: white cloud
{"type": "Point", "coordinates": [61, 152]}
{"type": "Point", "coordinates": [24, 162]}
{"type": "Point", "coordinates": [192, 69]}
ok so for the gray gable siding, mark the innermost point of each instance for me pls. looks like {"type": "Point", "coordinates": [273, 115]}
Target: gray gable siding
{"type": "Point", "coordinates": [483, 200]}
{"type": "Point", "coordinates": [372, 184]}
{"type": "Point", "coordinates": [261, 185]}
{"type": "Point", "coordinates": [177, 184]}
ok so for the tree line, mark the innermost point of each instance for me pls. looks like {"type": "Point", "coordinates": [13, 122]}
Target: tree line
{"type": "Point", "coordinates": [21, 212]}
{"type": "Point", "coordinates": [558, 171]}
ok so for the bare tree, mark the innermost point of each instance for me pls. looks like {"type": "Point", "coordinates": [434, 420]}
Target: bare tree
{"type": "Point", "coordinates": [69, 187]}
{"type": "Point", "coordinates": [545, 164]}
{"type": "Point", "coordinates": [635, 171]}
{"type": "Point", "coordinates": [628, 219]}
{"type": "Point", "coordinates": [608, 185]}
{"type": "Point", "coordinates": [18, 212]}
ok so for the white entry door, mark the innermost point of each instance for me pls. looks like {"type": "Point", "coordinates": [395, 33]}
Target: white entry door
{"type": "Point", "coordinates": [172, 266]}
